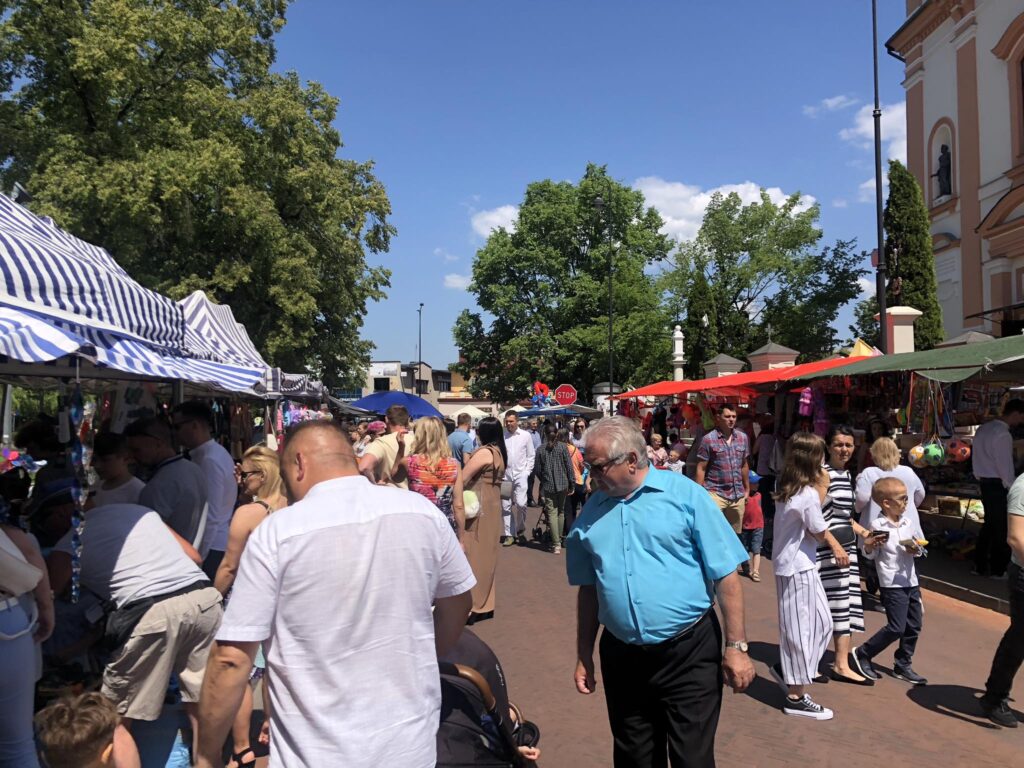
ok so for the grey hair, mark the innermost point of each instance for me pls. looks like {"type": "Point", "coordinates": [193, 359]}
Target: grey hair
{"type": "Point", "coordinates": [620, 436]}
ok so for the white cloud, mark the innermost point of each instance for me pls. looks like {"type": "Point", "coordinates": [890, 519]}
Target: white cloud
{"type": "Point", "coordinates": [485, 222]}
{"type": "Point", "coordinates": [866, 191]}
{"type": "Point", "coordinates": [866, 286]}
{"type": "Point", "coordinates": [831, 104]}
{"type": "Point", "coordinates": [442, 253]}
{"type": "Point", "coordinates": [682, 205]}
{"type": "Point", "coordinates": [456, 281]}
{"type": "Point", "coordinates": [839, 202]}
{"type": "Point", "coordinates": [894, 130]}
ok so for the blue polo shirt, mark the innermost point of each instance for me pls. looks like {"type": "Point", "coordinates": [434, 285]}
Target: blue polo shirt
{"type": "Point", "coordinates": [652, 556]}
{"type": "Point", "coordinates": [460, 442]}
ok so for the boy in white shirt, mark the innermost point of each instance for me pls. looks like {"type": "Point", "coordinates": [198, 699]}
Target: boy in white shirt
{"type": "Point", "coordinates": [111, 458]}
{"type": "Point", "coordinates": [896, 540]}
{"type": "Point", "coordinates": [674, 463]}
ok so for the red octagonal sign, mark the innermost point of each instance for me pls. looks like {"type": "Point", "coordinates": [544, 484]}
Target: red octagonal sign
{"type": "Point", "coordinates": [565, 394]}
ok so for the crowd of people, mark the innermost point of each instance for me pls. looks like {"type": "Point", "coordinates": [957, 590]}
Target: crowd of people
{"type": "Point", "coordinates": [189, 594]}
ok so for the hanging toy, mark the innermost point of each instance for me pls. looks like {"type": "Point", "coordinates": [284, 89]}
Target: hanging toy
{"type": "Point", "coordinates": [541, 394]}
{"type": "Point", "coordinates": [957, 451]}
{"type": "Point", "coordinates": [916, 457]}
{"type": "Point", "coordinates": [806, 407]}
{"type": "Point", "coordinates": [934, 454]}
{"type": "Point", "coordinates": [79, 488]}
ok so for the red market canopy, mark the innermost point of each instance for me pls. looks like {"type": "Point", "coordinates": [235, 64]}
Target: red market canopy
{"type": "Point", "coordinates": [746, 380]}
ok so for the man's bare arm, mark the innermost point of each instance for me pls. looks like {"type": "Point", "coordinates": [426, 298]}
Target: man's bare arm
{"type": "Point", "coordinates": [227, 674]}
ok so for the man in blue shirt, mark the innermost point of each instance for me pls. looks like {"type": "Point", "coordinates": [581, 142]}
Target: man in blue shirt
{"type": "Point", "coordinates": [648, 553]}
{"type": "Point", "coordinates": [460, 440]}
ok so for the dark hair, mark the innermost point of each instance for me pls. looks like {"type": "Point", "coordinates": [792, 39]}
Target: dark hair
{"type": "Point", "coordinates": [886, 429]}
{"type": "Point", "coordinates": [512, 412]}
{"type": "Point", "coordinates": [149, 426]}
{"type": "Point", "coordinates": [110, 444]}
{"type": "Point", "coordinates": [397, 415]}
{"type": "Point", "coordinates": [725, 407]}
{"type": "Point", "coordinates": [465, 418]}
{"type": "Point", "coordinates": [195, 410]}
{"type": "Point", "coordinates": [838, 429]}
{"type": "Point", "coordinates": [39, 432]}
{"type": "Point", "coordinates": [490, 432]}
{"type": "Point", "coordinates": [1013, 406]}
{"type": "Point", "coordinates": [74, 729]}
{"type": "Point", "coordinates": [563, 435]}
{"type": "Point", "coordinates": [550, 436]}
{"type": "Point", "coordinates": [449, 426]}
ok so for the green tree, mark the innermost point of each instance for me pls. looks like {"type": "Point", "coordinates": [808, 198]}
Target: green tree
{"type": "Point", "coordinates": [865, 327]}
{"type": "Point", "coordinates": [158, 131]}
{"type": "Point", "coordinates": [542, 289]}
{"type": "Point", "coordinates": [909, 257]}
{"type": "Point", "coordinates": [757, 267]}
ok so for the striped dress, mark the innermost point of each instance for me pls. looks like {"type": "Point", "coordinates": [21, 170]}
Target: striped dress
{"type": "Point", "coordinates": [842, 585]}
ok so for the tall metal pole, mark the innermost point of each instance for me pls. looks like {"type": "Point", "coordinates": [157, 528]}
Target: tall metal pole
{"type": "Point", "coordinates": [419, 355]}
{"type": "Point", "coordinates": [880, 275]}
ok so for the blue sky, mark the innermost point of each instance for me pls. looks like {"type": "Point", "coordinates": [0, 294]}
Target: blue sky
{"type": "Point", "coordinates": [462, 103]}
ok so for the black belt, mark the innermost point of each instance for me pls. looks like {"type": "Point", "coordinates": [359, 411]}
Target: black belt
{"type": "Point", "coordinates": [193, 587]}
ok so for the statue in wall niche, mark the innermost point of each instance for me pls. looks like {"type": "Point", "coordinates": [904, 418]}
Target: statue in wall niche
{"type": "Point", "coordinates": [945, 172]}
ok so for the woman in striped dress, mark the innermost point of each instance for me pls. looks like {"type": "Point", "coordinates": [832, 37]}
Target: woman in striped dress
{"type": "Point", "coordinates": [842, 583]}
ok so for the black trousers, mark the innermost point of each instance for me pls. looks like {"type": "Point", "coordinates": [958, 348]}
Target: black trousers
{"type": "Point", "coordinates": [992, 553]}
{"type": "Point", "coordinates": [665, 693]}
{"type": "Point", "coordinates": [767, 488]}
{"type": "Point", "coordinates": [1010, 653]}
{"type": "Point", "coordinates": [903, 612]}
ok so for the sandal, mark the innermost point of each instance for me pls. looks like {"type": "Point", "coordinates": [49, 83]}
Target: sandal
{"type": "Point", "coordinates": [236, 758]}
{"type": "Point", "coordinates": [755, 576]}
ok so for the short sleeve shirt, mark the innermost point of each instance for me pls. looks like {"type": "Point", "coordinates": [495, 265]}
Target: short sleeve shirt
{"type": "Point", "coordinates": [385, 450]}
{"type": "Point", "coordinates": [795, 549]}
{"type": "Point", "coordinates": [724, 473]}
{"type": "Point", "coordinates": [177, 491]}
{"type": "Point", "coordinates": [667, 532]}
{"type": "Point", "coordinates": [342, 584]}
{"type": "Point", "coordinates": [461, 443]}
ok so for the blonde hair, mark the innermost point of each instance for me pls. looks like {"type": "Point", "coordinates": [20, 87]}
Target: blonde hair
{"type": "Point", "coordinates": [885, 453]}
{"type": "Point", "coordinates": [431, 440]}
{"type": "Point", "coordinates": [269, 463]}
{"type": "Point", "coordinates": [886, 487]}
{"type": "Point", "coordinates": [75, 730]}
{"type": "Point", "coordinates": [805, 453]}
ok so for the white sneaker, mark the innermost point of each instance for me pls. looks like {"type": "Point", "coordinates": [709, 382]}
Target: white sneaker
{"type": "Point", "coordinates": [805, 706]}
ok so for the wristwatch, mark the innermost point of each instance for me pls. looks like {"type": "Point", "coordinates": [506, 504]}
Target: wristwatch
{"type": "Point", "coordinates": [739, 645]}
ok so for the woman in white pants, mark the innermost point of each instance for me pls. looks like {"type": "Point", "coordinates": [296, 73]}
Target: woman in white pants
{"type": "Point", "coordinates": [805, 621]}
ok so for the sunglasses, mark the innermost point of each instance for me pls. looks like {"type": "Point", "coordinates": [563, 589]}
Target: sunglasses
{"type": "Point", "coordinates": [250, 473]}
{"type": "Point", "coordinates": [599, 467]}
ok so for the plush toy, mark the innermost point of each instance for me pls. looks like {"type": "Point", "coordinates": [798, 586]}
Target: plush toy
{"type": "Point", "coordinates": [957, 451]}
{"type": "Point", "coordinates": [541, 395]}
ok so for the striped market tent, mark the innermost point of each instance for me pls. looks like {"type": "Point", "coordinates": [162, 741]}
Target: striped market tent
{"type": "Point", "coordinates": [212, 331]}
{"type": "Point", "coordinates": [61, 296]}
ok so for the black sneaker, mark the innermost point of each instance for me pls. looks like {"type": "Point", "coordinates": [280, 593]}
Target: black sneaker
{"type": "Point", "coordinates": [805, 706]}
{"type": "Point", "coordinates": [908, 674]}
{"type": "Point", "coordinates": [863, 665]}
{"type": "Point", "coordinates": [776, 670]}
{"type": "Point", "coordinates": [999, 713]}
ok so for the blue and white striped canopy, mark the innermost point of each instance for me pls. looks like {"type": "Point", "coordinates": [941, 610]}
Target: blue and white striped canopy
{"type": "Point", "coordinates": [211, 331]}
{"type": "Point", "coordinates": [49, 272]}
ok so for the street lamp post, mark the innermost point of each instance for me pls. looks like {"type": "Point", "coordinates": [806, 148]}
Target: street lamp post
{"type": "Point", "coordinates": [880, 275]}
{"type": "Point", "coordinates": [599, 205]}
{"type": "Point", "coordinates": [419, 353]}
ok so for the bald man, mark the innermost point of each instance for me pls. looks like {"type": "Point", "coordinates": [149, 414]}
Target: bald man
{"type": "Point", "coordinates": [342, 583]}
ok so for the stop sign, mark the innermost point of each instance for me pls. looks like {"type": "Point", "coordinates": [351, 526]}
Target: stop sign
{"type": "Point", "coordinates": [565, 394]}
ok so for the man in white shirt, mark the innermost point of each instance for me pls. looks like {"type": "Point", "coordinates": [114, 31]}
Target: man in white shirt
{"type": "Point", "coordinates": [341, 583]}
{"type": "Point", "coordinates": [521, 453]}
{"type": "Point", "coordinates": [193, 426]}
{"type": "Point", "coordinates": [992, 462]}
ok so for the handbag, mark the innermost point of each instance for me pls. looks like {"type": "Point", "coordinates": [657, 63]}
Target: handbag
{"type": "Point", "coordinates": [17, 575]}
{"type": "Point", "coordinates": [844, 534]}
{"type": "Point", "coordinates": [471, 503]}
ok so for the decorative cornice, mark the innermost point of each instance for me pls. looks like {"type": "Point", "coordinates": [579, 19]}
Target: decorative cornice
{"type": "Point", "coordinates": [925, 20]}
{"type": "Point", "coordinates": [946, 207]}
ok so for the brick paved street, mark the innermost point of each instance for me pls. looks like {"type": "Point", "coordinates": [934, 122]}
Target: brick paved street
{"type": "Point", "coordinates": [533, 633]}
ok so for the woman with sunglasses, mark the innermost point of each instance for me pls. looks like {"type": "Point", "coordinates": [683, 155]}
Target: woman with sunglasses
{"type": "Point", "coordinates": [260, 480]}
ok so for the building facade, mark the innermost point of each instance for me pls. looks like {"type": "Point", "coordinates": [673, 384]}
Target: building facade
{"type": "Point", "coordinates": [965, 144]}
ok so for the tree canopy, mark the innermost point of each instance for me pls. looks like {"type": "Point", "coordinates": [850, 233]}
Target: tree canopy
{"type": "Point", "coordinates": [542, 289]}
{"type": "Point", "coordinates": [158, 131]}
{"type": "Point", "coordinates": [909, 258]}
{"type": "Point", "coordinates": [758, 270]}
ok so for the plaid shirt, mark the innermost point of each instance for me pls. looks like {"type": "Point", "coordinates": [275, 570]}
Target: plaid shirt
{"type": "Point", "coordinates": [554, 468]}
{"type": "Point", "coordinates": [724, 472]}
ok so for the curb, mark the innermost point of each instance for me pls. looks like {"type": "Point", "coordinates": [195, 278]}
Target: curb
{"type": "Point", "coordinates": [979, 599]}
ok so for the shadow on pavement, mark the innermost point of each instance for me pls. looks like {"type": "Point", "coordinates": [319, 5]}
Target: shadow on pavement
{"type": "Point", "coordinates": [766, 653]}
{"type": "Point", "coordinates": [956, 701]}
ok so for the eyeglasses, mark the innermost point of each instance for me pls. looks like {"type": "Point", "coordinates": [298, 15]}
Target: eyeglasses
{"type": "Point", "coordinates": [598, 468]}
{"type": "Point", "coordinates": [247, 475]}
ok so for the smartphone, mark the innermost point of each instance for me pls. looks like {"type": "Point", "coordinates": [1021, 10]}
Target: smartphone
{"type": "Point", "coordinates": [880, 536]}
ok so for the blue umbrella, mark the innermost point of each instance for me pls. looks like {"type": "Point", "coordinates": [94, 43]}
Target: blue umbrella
{"type": "Point", "coordinates": [379, 402]}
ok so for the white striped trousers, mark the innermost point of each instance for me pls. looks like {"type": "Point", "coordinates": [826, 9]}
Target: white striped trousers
{"type": "Point", "coordinates": [805, 625]}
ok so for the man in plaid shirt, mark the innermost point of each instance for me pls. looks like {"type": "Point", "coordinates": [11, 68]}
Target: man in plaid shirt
{"type": "Point", "coordinates": [722, 466]}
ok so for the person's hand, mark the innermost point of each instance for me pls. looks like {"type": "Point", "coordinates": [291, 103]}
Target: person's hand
{"type": "Point", "coordinates": [841, 556]}
{"type": "Point", "coordinates": [264, 737]}
{"type": "Point", "coordinates": [823, 480]}
{"type": "Point", "coordinates": [738, 669]}
{"type": "Point", "coordinates": [912, 549]}
{"type": "Point", "coordinates": [584, 677]}
{"type": "Point", "coordinates": [530, 753]}
{"type": "Point", "coordinates": [44, 623]}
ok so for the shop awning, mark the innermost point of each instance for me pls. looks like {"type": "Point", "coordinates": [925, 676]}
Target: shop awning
{"type": "Point", "coordinates": [998, 358]}
{"type": "Point", "coordinates": [747, 380]}
{"type": "Point", "coordinates": [211, 331]}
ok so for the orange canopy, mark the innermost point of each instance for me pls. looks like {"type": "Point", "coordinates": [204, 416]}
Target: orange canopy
{"type": "Point", "coordinates": [746, 380]}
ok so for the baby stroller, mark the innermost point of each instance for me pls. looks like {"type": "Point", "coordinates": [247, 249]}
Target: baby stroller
{"type": "Point", "coordinates": [474, 731]}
